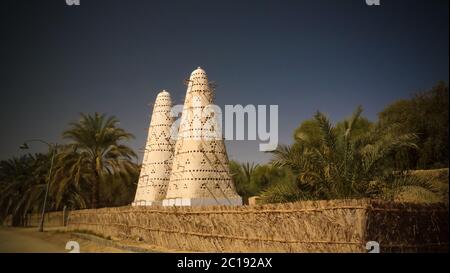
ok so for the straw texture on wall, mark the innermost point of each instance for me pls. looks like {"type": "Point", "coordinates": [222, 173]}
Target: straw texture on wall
{"type": "Point", "coordinates": [312, 226]}
{"type": "Point", "coordinates": [52, 219]}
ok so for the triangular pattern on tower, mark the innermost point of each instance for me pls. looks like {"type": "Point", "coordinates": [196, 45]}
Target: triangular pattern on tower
{"type": "Point", "coordinates": [200, 172]}
{"type": "Point", "coordinates": [158, 155]}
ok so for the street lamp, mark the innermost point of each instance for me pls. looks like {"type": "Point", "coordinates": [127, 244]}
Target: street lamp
{"type": "Point", "coordinates": [52, 147]}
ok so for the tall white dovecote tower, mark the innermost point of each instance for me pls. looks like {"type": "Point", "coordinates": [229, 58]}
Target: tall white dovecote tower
{"type": "Point", "coordinates": [200, 172]}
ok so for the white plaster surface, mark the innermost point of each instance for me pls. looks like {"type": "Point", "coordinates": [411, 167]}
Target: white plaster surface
{"type": "Point", "coordinates": [200, 172]}
{"type": "Point", "coordinates": [158, 155]}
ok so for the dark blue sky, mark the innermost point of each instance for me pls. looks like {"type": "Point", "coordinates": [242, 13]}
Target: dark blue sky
{"type": "Point", "coordinates": [113, 57]}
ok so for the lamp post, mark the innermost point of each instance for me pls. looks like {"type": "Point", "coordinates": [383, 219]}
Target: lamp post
{"type": "Point", "coordinates": [52, 147]}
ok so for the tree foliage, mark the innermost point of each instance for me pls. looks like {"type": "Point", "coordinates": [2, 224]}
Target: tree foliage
{"type": "Point", "coordinates": [354, 158]}
{"type": "Point", "coordinates": [425, 114]}
{"type": "Point", "coordinates": [23, 182]}
{"type": "Point", "coordinates": [96, 154]}
{"type": "Point", "coordinates": [344, 161]}
{"type": "Point", "coordinates": [94, 169]}
{"type": "Point", "coordinates": [251, 179]}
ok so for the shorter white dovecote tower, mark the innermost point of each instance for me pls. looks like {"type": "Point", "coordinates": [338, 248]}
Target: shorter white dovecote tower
{"type": "Point", "coordinates": [158, 154]}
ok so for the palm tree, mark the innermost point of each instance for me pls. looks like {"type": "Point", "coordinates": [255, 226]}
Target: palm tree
{"type": "Point", "coordinates": [96, 151]}
{"type": "Point", "coordinates": [23, 182]}
{"type": "Point", "coordinates": [251, 179]}
{"type": "Point", "coordinates": [95, 156]}
{"type": "Point", "coordinates": [121, 186]}
{"type": "Point", "coordinates": [347, 165]}
{"type": "Point", "coordinates": [243, 178]}
{"type": "Point", "coordinates": [70, 184]}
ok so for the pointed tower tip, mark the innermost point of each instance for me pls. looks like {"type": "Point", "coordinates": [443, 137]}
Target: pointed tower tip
{"type": "Point", "coordinates": [199, 69]}
{"type": "Point", "coordinates": [164, 92]}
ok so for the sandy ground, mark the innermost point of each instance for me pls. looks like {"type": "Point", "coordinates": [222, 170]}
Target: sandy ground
{"type": "Point", "coordinates": [29, 240]}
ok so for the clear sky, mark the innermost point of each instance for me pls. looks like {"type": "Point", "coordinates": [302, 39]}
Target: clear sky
{"type": "Point", "coordinates": [114, 56]}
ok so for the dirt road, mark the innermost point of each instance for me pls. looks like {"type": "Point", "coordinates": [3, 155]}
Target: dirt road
{"type": "Point", "coordinates": [28, 240]}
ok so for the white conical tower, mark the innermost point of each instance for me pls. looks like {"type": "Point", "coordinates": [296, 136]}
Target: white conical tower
{"type": "Point", "coordinates": [200, 172]}
{"type": "Point", "coordinates": [158, 155]}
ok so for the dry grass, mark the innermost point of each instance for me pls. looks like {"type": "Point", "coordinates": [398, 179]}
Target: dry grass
{"type": "Point", "coordinates": [408, 227]}
{"type": "Point", "coordinates": [315, 226]}
{"type": "Point", "coordinates": [52, 219]}
{"type": "Point", "coordinates": [311, 226]}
